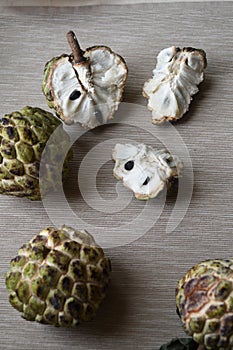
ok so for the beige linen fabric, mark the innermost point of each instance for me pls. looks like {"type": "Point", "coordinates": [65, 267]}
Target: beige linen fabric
{"type": "Point", "coordinates": [139, 312]}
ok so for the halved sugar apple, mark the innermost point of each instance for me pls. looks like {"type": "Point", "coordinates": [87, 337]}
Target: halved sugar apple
{"type": "Point", "coordinates": [23, 137]}
{"type": "Point", "coordinates": [86, 86]}
{"type": "Point", "coordinates": [175, 79]}
{"type": "Point", "coordinates": [143, 169]}
{"type": "Point", "coordinates": [204, 299]}
{"type": "Point", "coordinates": [60, 277]}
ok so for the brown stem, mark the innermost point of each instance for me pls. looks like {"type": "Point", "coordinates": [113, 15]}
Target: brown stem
{"type": "Point", "coordinates": [201, 347]}
{"type": "Point", "coordinates": [76, 50]}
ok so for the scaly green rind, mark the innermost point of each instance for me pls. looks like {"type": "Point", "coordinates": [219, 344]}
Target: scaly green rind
{"type": "Point", "coordinates": [23, 137]}
{"type": "Point", "coordinates": [57, 279]}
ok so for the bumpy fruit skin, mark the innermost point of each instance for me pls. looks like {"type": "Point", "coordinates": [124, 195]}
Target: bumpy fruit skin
{"type": "Point", "coordinates": [180, 344]}
{"type": "Point", "coordinates": [45, 89]}
{"type": "Point", "coordinates": [60, 277]}
{"type": "Point", "coordinates": [23, 137]}
{"type": "Point", "coordinates": [204, 299]}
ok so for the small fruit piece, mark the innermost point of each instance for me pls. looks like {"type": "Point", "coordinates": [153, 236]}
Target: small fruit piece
{"type": "Point", "coordinates": [204, 299]}
{"type": "Point", "coordinates": [60, 277]}
{"type": "Point", "coordinates": [143, 169]}
{"type": "Point", "coordinates": [87, 86]}
{"type": "Point", "coordinates": [175, 79]}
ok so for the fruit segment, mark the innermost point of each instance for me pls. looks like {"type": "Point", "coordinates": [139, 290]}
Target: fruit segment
{"type": "Point", "coordinates": [175, 80]}
{"type": "Point", "coordinates": [85, 87]}
{"type": "Point", "coordinates": [143, 169]}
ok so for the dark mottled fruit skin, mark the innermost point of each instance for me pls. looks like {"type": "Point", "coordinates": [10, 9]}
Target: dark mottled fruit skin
{"type": "Point", "coordinates": [180, 344]}
{"type": "Point", "coordinates": [23, 137]}
{"type": "Point", "coordinates": [58, 280]}
{"type": "Point", "coordinates": [204, 299]}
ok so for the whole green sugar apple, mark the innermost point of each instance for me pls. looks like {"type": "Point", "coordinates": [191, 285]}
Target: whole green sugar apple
{"type": "Point", "coordinates": [204, 299]}
{"type": "Point", "coordinates": [60, 277]}
{"type": "Point", "coordinates": [23, 137]}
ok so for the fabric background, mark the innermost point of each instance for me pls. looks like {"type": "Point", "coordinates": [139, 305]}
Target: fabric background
{"type": "Point", "coordinates": [139, 312]}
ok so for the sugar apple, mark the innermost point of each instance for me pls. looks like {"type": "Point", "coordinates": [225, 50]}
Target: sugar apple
{"type": "Point", "coordinates": [204, 299]}
{"type": "Point", "coordinates": [145, 170]}
{"type": "Point", "coordinates": [180, 344]}
{"type": "Point", "coordinates": [175, 79]}
{"type": "Point", "coordinates": [60, 277]}
{"type": "Point", "coordinates": [23, 136]}
{"type": "Point", "coordinates": [86, 86]}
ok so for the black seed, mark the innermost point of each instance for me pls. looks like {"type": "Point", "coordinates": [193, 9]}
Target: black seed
{"type": "Point", "coordinates": [10, 132]}
{"type": "Point", "coordinates": [5, 121]}
{"type": "Point", "coordinates": [146, 181]}
{"type": "Point", "coordinates": [129, 165]}
{"type": "Point", "coordinates": [74, 95]}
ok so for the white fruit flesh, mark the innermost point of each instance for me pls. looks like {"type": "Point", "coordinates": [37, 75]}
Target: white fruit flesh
{"type": "Point", "coordinates": [174, 81]}
{"type": "Point", "coordinates": [151, 169]}
{"type": "Point", "coordinates": [99, 83]}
